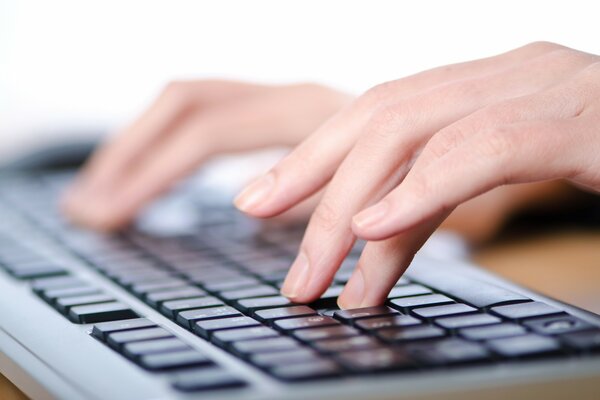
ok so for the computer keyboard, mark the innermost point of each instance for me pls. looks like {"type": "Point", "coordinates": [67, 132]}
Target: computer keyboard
{"type": "Point", "coordinates": [220, 279]}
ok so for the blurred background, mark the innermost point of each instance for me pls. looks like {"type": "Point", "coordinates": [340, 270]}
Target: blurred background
{"type": "Point", "coordinates": [75, 68]}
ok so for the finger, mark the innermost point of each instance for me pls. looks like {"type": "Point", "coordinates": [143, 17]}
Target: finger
{"type": "Point", "coordinates": [312, 164]}
{"type": "Point", "coordinates": [381, 264]}
{"type": "Point", "coordinates": [522, 152]}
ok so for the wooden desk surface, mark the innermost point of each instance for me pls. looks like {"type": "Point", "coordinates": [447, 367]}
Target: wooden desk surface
{"type": "Point", "coordinates": [563, 265]}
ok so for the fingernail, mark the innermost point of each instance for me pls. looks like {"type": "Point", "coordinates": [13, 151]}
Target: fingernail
{"type": "Point", "coordinates": [371, 215]}
{"type": "Point", "coordinates": [255, 193]}
{"type": "Point", "coordinates": [296, 280]}
{"type": "Point", "coordinates": [354, 291]}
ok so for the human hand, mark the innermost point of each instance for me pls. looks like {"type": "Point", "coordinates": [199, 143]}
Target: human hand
{"type": "Point", "coordinates": [408, 152]}
{"type": "Point", "coordinates": [188, 123]}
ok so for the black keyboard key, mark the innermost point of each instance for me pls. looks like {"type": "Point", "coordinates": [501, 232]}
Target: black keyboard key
{"type": "Point", "coordinates": [222, 338]}
{"type": "Point", "coordinates": [174, 360]}
{"type": "Point", "coordinates": [285, 357]}
{"type": "Point", "coordinates": [141, 289]}
{"type": "Point", "coordinates": [408, 290]}
{"type": "Point", "coordinates": [136, 349]}
{"type": "Point", "coordinates": [206, 379]}
{"type": "Point", "coordinates": [407, 303]}
{"type": "Point", "coordinates": [465, 321]}
{"type": "Point", "coordinates": [349, 316]}
{"type": "Point", "coordinates": [231, 284]}
{"type": "Point", "coordinates": [172, 307]}
{"type": "Point", "coordinates": [52, 294]}
{"type": "Point", "coordinates": [35, 270]}
{"type": "Point", "coordinates": [289, 324]}
{"type": "Point", "coordinates": [440, 311]}
{"type": "Point", "coordinates": [270, 345]}
{"type": "Point", "coordinates": [448, 351]}
{"type": "Point", "coordinates": [101, 331]}
{"type": "Point", "coordinates": [361, 342]}
{"type": "Point", "coordinates": [317, 369]}
{"type": "Point", "coordinates": [42, 284]}
{"type": "Point", "coordinates": [258, 303]}
{"type": "Point", "coordinates": [371, 324]}
{"type": "Point", "coordinates": [524, 345]}
{"type": "Point", "coordinates": [256, 291]}
{"type": "Point", "coordinates": [187, 318]}
{"type": "Point", "coordinates": [557, 325]}
{"type": "Point", "coordinates": [328, 332]}
{"type": "Point", "coordinates": [505, 329]}
{"type": "Point", "coordinates": [526, 310]}
{"type": "Point", "coordinates": [118, 339]}
{"type": "Point", "coordinates": [63, 304]}
{"type": "Point", "coordinates": [476, 293]}
{"type": "Point", "coordinates": [272, 314]}
{"type": "Point", "coordinates": [205, 328]}
{"type": "Point", "coordinates": [403, 334]}
{"type": "Point", "coordinates": [101, 313]}
{"type": "Point", "coordinates": [155, 299]}
{"type": "Point", "coordinates": [381, 359]}
{"type": "Point", "coordinates": [583, 341]}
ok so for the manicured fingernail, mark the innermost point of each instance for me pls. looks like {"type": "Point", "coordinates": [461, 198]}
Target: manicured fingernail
{"type": "Point", "coordinates": [255, 193]}
{"type": "Point", "coordinates": [371, 215]}
{"type": "Point", "coordinates": [354, 291]}
{"type": "Point", "coordinates": [297, 278]}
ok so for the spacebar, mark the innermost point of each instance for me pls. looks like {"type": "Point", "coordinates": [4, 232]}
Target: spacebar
{"type": "Point", "coordinates": [477, 293]}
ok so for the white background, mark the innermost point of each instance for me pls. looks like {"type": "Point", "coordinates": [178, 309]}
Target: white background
{"type": "Point", "coordinates": [66, 66]}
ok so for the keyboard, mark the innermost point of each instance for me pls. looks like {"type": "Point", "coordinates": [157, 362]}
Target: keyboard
{"type": "Point", "coordinates": [217, 274]}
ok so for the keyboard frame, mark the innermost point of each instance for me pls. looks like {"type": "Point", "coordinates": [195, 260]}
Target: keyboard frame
{"type": "Point", "coordinates": [36, 351]}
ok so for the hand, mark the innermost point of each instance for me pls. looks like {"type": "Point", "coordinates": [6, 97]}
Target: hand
{"type": "Point", "coordinates": [404, 155]}
{"type": "Point", "coordinates": [188, 123]}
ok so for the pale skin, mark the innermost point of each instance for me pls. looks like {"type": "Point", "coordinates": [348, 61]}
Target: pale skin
{"type": "Point", "coordinates": [466, 144]}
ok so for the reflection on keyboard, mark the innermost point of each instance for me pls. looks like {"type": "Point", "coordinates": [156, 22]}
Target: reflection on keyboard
{"type": "Point", "coordinates": [221, 280]}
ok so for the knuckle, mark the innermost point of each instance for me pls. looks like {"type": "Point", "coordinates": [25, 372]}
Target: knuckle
{"type": "Point", "coordinates": [326, 217]}
{"type": "Point", "coordinates": [176, 91]}
{"type": "Point", "coordinates": [543, 46]}
{"type": "Point", "coordinates": [378, 93]}
{"type": "Point", "coordinates": [446, 140]}
{"type": "Point", "coordinates": [498, 143]}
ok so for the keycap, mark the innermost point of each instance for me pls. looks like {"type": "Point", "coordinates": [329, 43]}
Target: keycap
{"type": "Point", "coordinates": [329, 332]}
{"type": "Point", "coordinates": [350, 315]}
{"type": "Point", "coordinates": [258, 303]}
{"type": "Point", "coordinates": [238, 283]}
{"type": "Point", "coordinates": [256, 291]}
{"type": "Point", "coordinates": [440, 311]}
{"type": "Point", "coordinates": [370, 324]}
{"type": "Point", "coordinates": [407, 303]}
{"type": "Point", "coordinates": [304, 322]}
{"type": "Point", "coordinates": [155, 299]}
{"type": "Point", "coordinates": [283, 312]}
{"type": "Point", "coordinates": [476, 293]}
{"type": "Point", "coordinates": [270, 345]}
{"type": "Point", "coordinates": [205, 379]}
{"type": "Point", "coordinates": [408, 290]}
{"type": "Point", "coordinates": [102, 330]}
{"type": "Point", "coordinates": [64, 303]}
{"type": "Point", "coordinates": [100, 313]}
{"type": "Point", "coordinates": [186, 318]}
{"type": "Point", "coordinates": [205, 328]}
{"type": "Point", "coordinates": [39, 285]}
{"type": "Point", "coordinates": [409, 333]}
{"type": "Point", "coordinates": [117, 339]}
{"type": "Point", "coordinates": [136, 349]}
{"type": "Point", "coordinates": [557, 325]}
{"type": "Point", "coordinates": [584, 341]}
{"type": "Point", "coordinates": [465, 321]}
{"type": "Point", "coordinates": [447, 351]}
{"type": "Point", "coordinates": [524, 345]}
{"type": "Point", "coordinates": [141, 289]}
{"type": "Point", "coordinates": [285, 357]}
{"type": "Point", "coordinates": [222, 338]}
{"type": "Point", "coordinates": [361, 342]}
{"type": "Point", "coordinates": [318, 369]}
{"type": "Point", "coordinates": [52, 294]}
{"type": "Point", "coordinates": [492, 331]}
{"type": "Point", "coordinates": [525, 310]}
{"type": "Point", "coordinates": [381, 359]}
{"type": "Point", "coordinates": [35, 270]}
{"type": "Point", "coordinates": [172, 307]}
{"type": "Point", "coordinates": [174, 360]}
